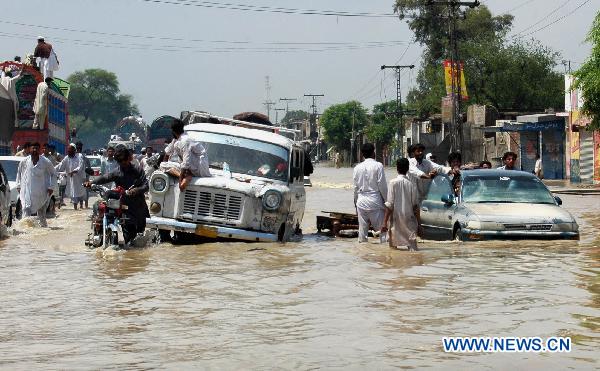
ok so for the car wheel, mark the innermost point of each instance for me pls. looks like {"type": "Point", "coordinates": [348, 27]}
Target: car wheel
{"type": "Point", "coordinates": [458, 235]}
{"type": "Point", "coordinates": [179, 238]}
{"type": "Point", "coordinates": [18, 211]}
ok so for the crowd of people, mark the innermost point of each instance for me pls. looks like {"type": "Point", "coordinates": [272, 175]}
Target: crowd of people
{"type": "Point", "coordinates": [394, 208]}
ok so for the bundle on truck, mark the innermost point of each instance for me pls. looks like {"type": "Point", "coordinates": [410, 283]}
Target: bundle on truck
{"type": "Point", "coordinates": [17, 98]}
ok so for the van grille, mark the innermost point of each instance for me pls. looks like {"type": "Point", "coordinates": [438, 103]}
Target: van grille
{"type": "Point", "coordinates": [214, 207]}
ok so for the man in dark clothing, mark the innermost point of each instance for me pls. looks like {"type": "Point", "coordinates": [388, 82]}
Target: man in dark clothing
{"type": "Point", "coordinates": [43, 49]}
{"type": "Point", "coordinates": [134, 181]}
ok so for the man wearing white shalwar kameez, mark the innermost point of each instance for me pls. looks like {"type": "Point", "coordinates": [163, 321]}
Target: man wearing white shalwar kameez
{"type": "Point", "coordinates": [35, 179]}
{"type": "Point", "coordinates": [40, 104]}
{"type": "Point", "coordinates": [74, 168]}
{"type": "Point", "coordinates": [402, 210]}
{"type": "Point", "coordinates": [422, 170]}
{"type": "Point", "coordinates": [370, 191]}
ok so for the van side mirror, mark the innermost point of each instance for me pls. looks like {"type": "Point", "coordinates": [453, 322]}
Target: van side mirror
{"type": "Point", "coordinates": [558, 200]}
{"type": "Point", "coordinates": [448, 199]}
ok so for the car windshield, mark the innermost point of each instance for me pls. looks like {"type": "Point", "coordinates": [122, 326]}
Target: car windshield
{"type": "Point", "coordinates": [10, 168]}
{"type": "Point", "coordinates": [94, 161]}
{"type": "Point", "coordinates": [244, 156]}
{"type": "Point", "coordinates": [505, 189]}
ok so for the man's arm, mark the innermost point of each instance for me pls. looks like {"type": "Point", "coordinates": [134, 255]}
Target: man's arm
{"type": "Point", "coordinates": [19, 171]}
{"type": "Point", "coordinates": [382, 183]}
{"type": "Point", "coordinates": [355, 185]}
{"type": "Point", "coordinates": [140, 186]}
{"type": "Point", "coordinates": [51, 178]}
{"type": "Point", "coordinates": [106, 178]}
{"type": "Point", "coordinates": [389, 207]}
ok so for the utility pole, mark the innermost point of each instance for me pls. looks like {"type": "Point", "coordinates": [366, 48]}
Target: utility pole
{"type": "Point", "coordinates": [456, 135]}
{"type": "Point", "coordinates": [277, 115]}
{"type": "Point", "coordinates": [287, 103]}
{"type": "Point", "coordinates": [268, 104]}
{"type": "Point", "coordinates": [399, 110]}
{"type": "Point", "coordinates": [313, 117]}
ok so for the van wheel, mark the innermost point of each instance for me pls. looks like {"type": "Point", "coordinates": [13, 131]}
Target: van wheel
{"type": "Point", "coordinates": [179, 238]}
{"type": "Point", "coordinates": [164, 235]}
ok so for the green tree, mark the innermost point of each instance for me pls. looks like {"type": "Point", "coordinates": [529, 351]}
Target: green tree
{"type": "Point", "coordinates": [338, 121]}
{"type": "Point", "coordinates": [588, 77]}
{"type": "Point", "coordinates": [291, 116]}
{"type": "Point", "coordinates": [510, 75]}
{"type": "Point", "coordinates": [96, 105]}
{"type": "Point", "coordinates": [384, 123]}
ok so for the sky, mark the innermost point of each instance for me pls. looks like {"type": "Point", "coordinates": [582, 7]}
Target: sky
{"type": "Point", "coordinates": [174, 55]}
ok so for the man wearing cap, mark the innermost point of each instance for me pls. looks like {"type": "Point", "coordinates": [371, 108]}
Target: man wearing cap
{"type": "Point", "coordinates": [74, 168]}
{"type": "Point", "coordinates": [48, 60]}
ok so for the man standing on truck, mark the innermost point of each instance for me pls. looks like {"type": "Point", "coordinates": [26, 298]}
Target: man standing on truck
{"type": "Point", "coordinates": [194, 159]}
{"type": "Point", "coordinates": [35, 178]}
{"type": "Point", "coordinates": [48, 59]}
{"type": "Point", "coordinates": [134, 181]}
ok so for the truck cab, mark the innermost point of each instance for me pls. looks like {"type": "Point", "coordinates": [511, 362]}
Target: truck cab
{"type": "Point", "coordinates": [255, 192]}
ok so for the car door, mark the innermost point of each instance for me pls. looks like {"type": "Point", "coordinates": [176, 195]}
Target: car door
{"type": "Point", "coordinates": [436, 215]}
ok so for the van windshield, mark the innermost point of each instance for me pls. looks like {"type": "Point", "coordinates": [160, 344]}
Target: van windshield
{"type": "Point", "coordinates": [244, 156]}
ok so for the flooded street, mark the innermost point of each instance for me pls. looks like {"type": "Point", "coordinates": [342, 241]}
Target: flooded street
{"type": "Point", "coordinates": [318, 303]}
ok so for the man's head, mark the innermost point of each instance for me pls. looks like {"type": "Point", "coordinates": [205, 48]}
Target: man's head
{"type": "Point", "coordinates": [454, 160]}
{"type": "Point", "coordinates": [79, 147]}
{"type": "Point", "coordinates": [48, 80]}
{"type": "Point", "coordinates": [123, 156]}
{"type": "Point", "coordinates": [110, 153]}
{"type": "Point", "coordinates": [368, 150]}
{"type": "Point", "coordinates": [485, 165]}
{"type": "Point", "coordinates": [71, 150]}
{"type": "Point", "coordinates": [509, 159]}
{"type": "Point", "coordinates": [27, 147]}
{"type": "Point", "coordinates": [418, 152]}
{"type": "Point", "coordinates": [17, 58]}
{"type": "Point", "coordinates": [409, 150]}
{"type": "Point", "coordinates": [35, 149]}
{"type": "Point", "coordinates": [537, 156]}
{"type": "Point", "coordinates": [46, 149]}
{"type": "Point", "coordinates": [143, 151]}
{"type": "Point", "coordinates": [402, 166]}
{"type": "Point", "coordinates": [177, 128]}
{"type": "Point", "coordinates": [40, 39]}
{"type": "Point", "coordinates": [149, 151]}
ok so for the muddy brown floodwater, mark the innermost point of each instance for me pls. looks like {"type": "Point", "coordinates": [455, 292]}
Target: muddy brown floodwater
{"type": "Point", "coordinates": [318, 303]}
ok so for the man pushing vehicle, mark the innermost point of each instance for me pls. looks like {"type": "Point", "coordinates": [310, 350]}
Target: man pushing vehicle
{"type": "Point", "coordinates": [133, 180]}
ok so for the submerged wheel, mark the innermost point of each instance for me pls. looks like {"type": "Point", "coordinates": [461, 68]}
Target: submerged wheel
{"type": "Point", "coordinates": [179, 237]}
{"type": "Point", "coordinates": [458, 235]}
{"type": "Point", "coordinates": [165, 235]}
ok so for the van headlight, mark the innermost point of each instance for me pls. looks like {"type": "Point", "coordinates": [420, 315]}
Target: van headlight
{"type": "Point", "coordinates": [159, 184]}
{"type": "Point", "coordinates": [272, 200]}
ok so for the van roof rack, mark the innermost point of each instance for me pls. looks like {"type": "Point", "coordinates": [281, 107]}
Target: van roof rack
{"type": "Point", "coordinates": [195, 117]}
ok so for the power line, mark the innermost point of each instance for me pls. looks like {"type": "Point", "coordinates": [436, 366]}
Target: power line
{"type": "Point", "coordinates": [164, 38]}
{"type": "Point", "coordinates": [519, 6]}
{"type": "Point", "coordinates": [545, 17]}
{"type": "Point", "coordinates": [268, 9]}
{"type": "Point", "coordinates": [558, 19]}
{"type": "Point", "coordinates": [205, 49]}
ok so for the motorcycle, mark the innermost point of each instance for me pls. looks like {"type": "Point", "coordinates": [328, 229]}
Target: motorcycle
{"type": "Point", "coordinates": [107, 218]}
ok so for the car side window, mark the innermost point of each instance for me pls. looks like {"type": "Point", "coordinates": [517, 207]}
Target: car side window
{"type": "Point", "coordinates": [440, 186]}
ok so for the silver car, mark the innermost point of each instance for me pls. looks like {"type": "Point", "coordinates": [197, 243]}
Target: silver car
{"type": "Point", "coordinates": [494, 204]}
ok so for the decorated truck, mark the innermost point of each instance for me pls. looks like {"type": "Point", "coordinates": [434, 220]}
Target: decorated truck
{"type": "Point", "coordinates": [17, 119]}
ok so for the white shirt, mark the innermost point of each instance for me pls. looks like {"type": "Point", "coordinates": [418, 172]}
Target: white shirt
{"type": "Point", "coordinates": [370, 187]}
{"type": "Point", "coordinates": [416, 170]}
{"type": "Point", "coordinates": [538, 166]}
{"type": "Point", "coordinates": [34, 181]}
{"type": "Point", "coordinates": [401, 200]}
{"type": "Point", "coordinates": [192, 154]}
{"type": "Point", "coordinates": [75, 164]}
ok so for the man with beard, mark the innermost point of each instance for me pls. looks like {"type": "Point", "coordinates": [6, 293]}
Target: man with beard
{"type": "Point", "coordinates": [133, 180]}
{"type": "Point", "coordinates": [34, 183]}
{"type": "Point", "coordinates": [422, 170]}
{"type": "Point", "coordinates": [74, 168]}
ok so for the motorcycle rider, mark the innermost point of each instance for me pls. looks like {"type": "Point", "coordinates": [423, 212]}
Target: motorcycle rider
{"type": "Point", "coordinates": [133, 180]}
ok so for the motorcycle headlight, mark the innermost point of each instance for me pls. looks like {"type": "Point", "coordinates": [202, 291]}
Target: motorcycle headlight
{"type": "Point", "coordinates": [272, 200]}
{"type": "Point", "coordinates": [159, 184]}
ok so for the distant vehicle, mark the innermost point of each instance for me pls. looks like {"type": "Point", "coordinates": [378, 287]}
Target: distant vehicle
{"type": "Point", "coordinates": [11, 167]}
{"type": "Point", "coordinates": [95, 163]}
{"type": "Point", "coordinates": [494, 204]}
{"type": "Point", "coordinates": [256, 192]}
